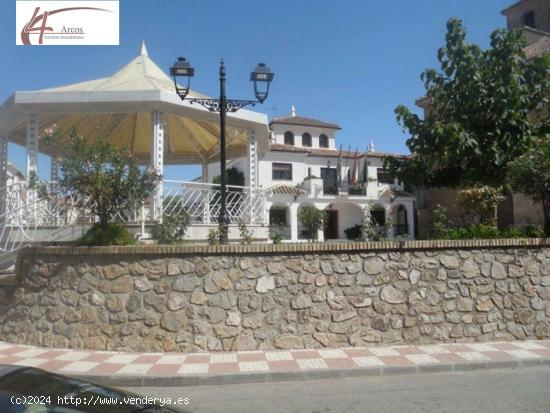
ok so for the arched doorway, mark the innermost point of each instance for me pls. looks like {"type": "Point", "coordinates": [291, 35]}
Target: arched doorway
{"type": "Point", "coordinates": [279, 220]}
{"type": "Point", "coordinates": [401, 226]}
{"type": "Point", "coordinates": [343, 221]}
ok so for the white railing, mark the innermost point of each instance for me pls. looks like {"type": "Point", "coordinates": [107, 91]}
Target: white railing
{"type": "Point", "coordinates": [45, 212]}
{"type": "Point", "coordinates": [202, 201]}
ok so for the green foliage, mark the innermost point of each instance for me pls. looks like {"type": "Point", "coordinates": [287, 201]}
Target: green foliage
{"type": "Point", "coordinates": [479, 203]}
{"type": "Point", "coordinates": [172, 229]}
{"type": "Point", "coordinates": [213, 237]}
{"type": "Point", "coordinates": [484, 231]}
{"type": "Point", "coordinates": [354, 232]}
{"type": "Point", "coordinates": [530, 174]}
{"type": "Point", "coordinates": [103, 178]}
{"type": "Point", "coordinates": [276, 233]}
{"type": "Point", "coordinates": [357, 190]}
{"type": "Point", "coordinates": [232, 177]}
{"type": "Point", "coordinates": [483, 109]}
{"type": "Point", "coordinates": [312, 220]}
{"type": "Point", "coordinates": [441, 223]}
{"type": "Point", "coordinates": [245, 233]}
{"type": "Point", "coordinates": [107, 234]}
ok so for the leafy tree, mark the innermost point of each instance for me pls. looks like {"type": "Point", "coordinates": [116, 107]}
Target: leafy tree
{"type": "Point", "coordinates": [480, 203]}
{"type": "Point", "coordinates": [313, 220]}
{"type": "Point", "coordinates": [484, 108]}
{"type": "Point", "coordinates": [103, 178]}
{"type": "Point", "coordinates": [232, 177]}
{"type": "Point", "coordinates": [530, 174]}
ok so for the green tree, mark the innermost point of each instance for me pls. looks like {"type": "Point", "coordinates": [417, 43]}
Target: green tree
{"type": "Point", "coordinates": [312, 220]}
{"type": "Point", "coordinates": [103, 178]}
{"type": "Point", "coordinates": [530, 174]}
{"type": "Point", "coordinates": [484, 109]}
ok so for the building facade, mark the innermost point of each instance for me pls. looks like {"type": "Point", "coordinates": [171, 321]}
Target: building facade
{"type": "Point", "coordinates": [305, 166]}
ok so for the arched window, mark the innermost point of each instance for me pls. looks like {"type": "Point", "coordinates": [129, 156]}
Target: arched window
{"type": "Point", "coordinates": [323, 141]}
{"type": "Point", "coordinates": [306, 139]}
{"type": "Point", "coordinates": [289, 138]}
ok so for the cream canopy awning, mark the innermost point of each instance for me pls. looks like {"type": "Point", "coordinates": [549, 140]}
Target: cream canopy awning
{"type": "Point", "coordinates": [119, 109]}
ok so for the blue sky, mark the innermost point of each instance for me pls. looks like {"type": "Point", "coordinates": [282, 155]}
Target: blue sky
{"type": "Point", "coordinates": [350, 62]}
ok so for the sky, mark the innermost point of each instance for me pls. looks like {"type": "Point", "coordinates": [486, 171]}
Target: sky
{"type": "Point", "coordinates": [345, 61]}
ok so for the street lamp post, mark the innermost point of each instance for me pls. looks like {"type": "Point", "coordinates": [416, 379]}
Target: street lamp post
{"type": "Point", "coordinates": [261, 77]}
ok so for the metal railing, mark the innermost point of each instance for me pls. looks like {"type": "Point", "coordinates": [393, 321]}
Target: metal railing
{"type": "Point", "coordinates": [44, 213]}
{"type": "Point", "coordinates": [202, 202]}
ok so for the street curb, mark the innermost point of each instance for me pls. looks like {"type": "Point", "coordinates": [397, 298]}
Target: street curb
{"type": "Point", "coordinates": [282, 376]}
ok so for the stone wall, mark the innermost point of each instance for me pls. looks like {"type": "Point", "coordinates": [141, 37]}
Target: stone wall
{"type": "Point", "coordinates": [294, 296]}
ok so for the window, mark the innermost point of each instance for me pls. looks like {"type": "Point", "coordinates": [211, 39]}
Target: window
{"type": "Point", "coordinates": [529, 19]}
{"type": "Point", "coordinates": [281, 171]}
{"type": "Point", "coordinates": [384, 176]}
{"type": "Point", "coordinates": [306, 139]}
{"type": "Point", "coordinates": [323, 141]}
{"type": "Point", "coordinates": [289, 138]}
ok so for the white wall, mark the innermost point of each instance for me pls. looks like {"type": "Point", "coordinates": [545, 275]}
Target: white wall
{"type": "Point", "coordinates": [279, 133]}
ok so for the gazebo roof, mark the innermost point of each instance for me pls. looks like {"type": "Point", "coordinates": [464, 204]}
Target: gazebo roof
{"type": "Point", "coordinates": [118, 109]}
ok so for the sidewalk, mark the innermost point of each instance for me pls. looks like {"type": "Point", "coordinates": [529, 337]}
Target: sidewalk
{"type": "Point", "coordinates": [179, 369]}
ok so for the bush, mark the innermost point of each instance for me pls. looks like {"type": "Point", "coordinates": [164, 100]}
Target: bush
{"type": "Point", "coordinates": [107, 234]}
{"type": "Point", "coordinates": [313, 220]}
{"type": "Point", "coordinates": [354, 233]}
{"type": "Point", "coordinates": [172, 229]}
{"type": "Point", "coordinates": [213, 237]}
{"type": "Point", "coordinates": [482, 231]}
{"type": "Point", "coordinates": [276, 233]}
{"type": "Point", "coordinates": [245, 233]}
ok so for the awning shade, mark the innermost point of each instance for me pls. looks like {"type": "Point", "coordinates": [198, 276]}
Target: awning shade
{"type": "Point", "coordinates": [118, 109]}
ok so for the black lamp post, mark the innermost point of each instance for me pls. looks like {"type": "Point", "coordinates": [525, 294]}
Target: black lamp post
{"type": "Point", "coordinates": [261, 77]}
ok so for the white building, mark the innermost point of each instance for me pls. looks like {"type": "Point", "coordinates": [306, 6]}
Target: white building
{"type": "Point", "coordinates": [288, 163]}
{"type": "Point", "coordinates": [300, 168]}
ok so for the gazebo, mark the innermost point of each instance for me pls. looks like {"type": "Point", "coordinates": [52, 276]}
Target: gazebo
{"type": "Point", "coordinates": [138, 106]}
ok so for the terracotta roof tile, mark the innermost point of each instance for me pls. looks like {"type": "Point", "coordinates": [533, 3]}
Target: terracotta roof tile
{"type": "Point", "coordinates": [287, 190]}
{"type": "Point", "coordinates": [303, 121]}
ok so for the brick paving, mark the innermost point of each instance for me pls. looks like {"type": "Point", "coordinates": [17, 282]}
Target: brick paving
{"type": "Point", "coordinates": [120, 364]}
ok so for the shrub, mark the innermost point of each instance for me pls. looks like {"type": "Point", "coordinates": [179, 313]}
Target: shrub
{"type": "Point", "coordinates": [479, 204]}
{"type": "Point", "coordinates": [276, 233]}
{"type": "Point", "coordinates": [313, 220]}
{"type": "Point", "coordinates": [213, 237]}
{"type": "Point", "coordinates": [172, 229]}
{"type": "Point", "coordinates": [354, 233]}
{"type": "Point", "coordinates": [245, 233]}
{"type": "Point", "coordinates": [441, 223]}
{"type": "Point", "coordinates": [107, 234]}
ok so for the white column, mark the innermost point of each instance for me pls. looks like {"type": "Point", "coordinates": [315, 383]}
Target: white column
{"type": "Point", "coordinates": [32, 153]}
{"type": "Point", "coordinates": [293, 209]}
{"type": "Point", "coordinates": [157, 160]}
{"type": "Point", "coordinates": [410, 219]}
{"type": "Point", "coordinates": [389, 220]}
{"type": "Point", "coordinates": [252, 161]}
{"type": "Point", "coordinates": [206, 194]}
{"type": "Point", "coordinates": [3, 173]}
{"type": "Point", "coordinates": [320, 236]}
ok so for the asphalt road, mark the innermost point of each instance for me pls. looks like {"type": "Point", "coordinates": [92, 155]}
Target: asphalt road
{"type": "Point", "coordinates": [522, 390]}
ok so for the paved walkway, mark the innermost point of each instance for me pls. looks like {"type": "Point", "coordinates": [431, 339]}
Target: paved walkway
{"type": "Point", "coordinates": [166, 368]}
